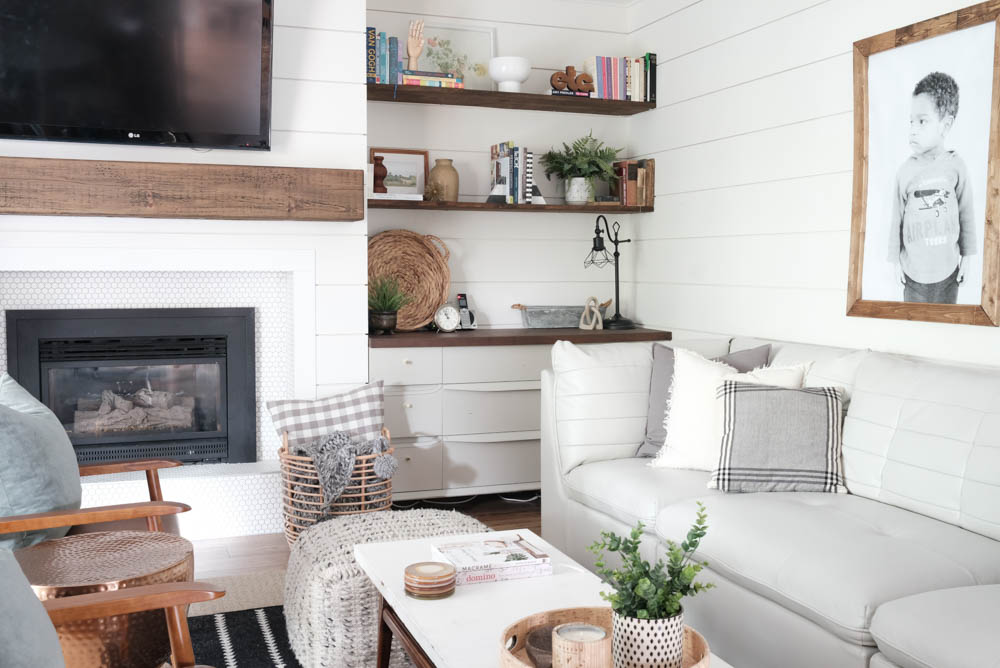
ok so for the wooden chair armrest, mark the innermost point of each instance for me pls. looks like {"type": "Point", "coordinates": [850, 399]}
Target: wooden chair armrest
{"type": "Point", "coordinates": [69, 518]}
{"type": "Point", "coordinates": [132, 599]}
{"type": "Point", "coordinates": [124, 467]}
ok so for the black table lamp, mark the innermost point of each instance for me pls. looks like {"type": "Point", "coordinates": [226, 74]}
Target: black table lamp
{"type": "Point", "coordinates": [599, 257]}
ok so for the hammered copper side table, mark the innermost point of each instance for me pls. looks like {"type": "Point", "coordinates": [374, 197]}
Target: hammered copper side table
{"type": "Point", "coordinates": [108, 561]}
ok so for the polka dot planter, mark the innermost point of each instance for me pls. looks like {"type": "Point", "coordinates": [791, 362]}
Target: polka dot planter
{"type": "Point", "coordinates": [648, 643]}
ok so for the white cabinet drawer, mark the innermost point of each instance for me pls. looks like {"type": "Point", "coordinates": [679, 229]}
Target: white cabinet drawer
{"type": "Point", "coordinates": [471, 461]}
{"type": "Point", "coordinates": [480, 408]}
{"type": "Point", "coordinates": [419, 466]}
{"type": "Point", "coordinates": [413, 410]}
{"type": "Point", "coordinates": [406, 366]}
{"type": "Point", "coordinates": [485, 364]}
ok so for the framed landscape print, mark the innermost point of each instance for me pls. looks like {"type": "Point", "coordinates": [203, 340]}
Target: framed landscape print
{"type": "Point", "coordinates": [406, 169]}
{"type": "Point", "coordinates": [925, 171]}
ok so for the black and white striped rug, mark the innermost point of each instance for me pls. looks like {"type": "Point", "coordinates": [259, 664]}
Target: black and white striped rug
{"type": "Point", "coordinates": [243, 639]}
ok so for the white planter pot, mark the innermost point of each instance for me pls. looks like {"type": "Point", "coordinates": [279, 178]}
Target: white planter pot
{"type": "Point", "coordinates": [648, 643]}
{"type": "Point", "coordinates": [578, 191]}
{"type": "Point", "coordinates": [509, 72]}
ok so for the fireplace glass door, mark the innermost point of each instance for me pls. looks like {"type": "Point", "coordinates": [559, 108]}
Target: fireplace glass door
{"type": "Point", "coordinates": [118, 401]}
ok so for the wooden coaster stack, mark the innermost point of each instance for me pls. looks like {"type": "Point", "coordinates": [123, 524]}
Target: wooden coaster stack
{"type": "Point", "coordinates": [429, 579]}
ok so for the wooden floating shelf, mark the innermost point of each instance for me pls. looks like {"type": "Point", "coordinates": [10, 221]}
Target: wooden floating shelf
{"type": "Point", "coordinates": [514, 337]}
{"type": "Point", "coordinates": [464, 97]}
{"type": "Point", "coordinates": [597, 207]}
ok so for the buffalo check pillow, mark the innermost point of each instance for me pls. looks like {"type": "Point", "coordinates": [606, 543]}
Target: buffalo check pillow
{"type": "Point", "coordinates": [778, 439]}
{"type": "Point", "coordinates": [360, 412]}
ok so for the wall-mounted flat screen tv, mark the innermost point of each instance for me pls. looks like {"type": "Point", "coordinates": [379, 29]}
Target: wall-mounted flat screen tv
{"type": "Point", "coordinates": [167, 72]}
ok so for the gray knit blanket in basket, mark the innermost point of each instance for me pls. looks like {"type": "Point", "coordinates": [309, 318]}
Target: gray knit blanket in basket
{"type": "Point", "coordinates": [334, 456]}
{"type": "Point", "coordinates": [331, 607]}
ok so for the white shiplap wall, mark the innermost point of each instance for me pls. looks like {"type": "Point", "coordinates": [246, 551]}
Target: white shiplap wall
{"type": "Point", "coordinates": [319, 120]}
{"type": "Point", "coordinates": [503, 258]}
{"type": "Point", "coordinates": [753, 144]}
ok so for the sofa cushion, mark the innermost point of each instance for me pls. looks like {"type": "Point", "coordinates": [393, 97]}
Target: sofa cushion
{"type": "Point", "coordinates": [600, 394]}
{"type": "Point", "coordinates": [38, 469]}
{"type": "Point", "coordinates": [27, 637]}
{"type": "Point", "coordinates": [630, 490]}
{"type": "Point", "coordinates": [833, 558]}
{"type": "Point", "coordinates": [949, 628]}
{"type": "Point", "coordinates": [831, 367]}
{"type": "Point", "coordinates": [663, 375]}
{"type": "Point", "coordinates": [926, 437]}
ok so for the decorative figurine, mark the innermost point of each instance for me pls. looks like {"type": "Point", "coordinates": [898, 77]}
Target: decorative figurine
{"type": "Point", "coordinates": [414, 44]}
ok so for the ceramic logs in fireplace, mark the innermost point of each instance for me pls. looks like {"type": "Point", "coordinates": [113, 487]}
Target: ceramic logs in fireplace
{"type": "Point", "coordinates": [137, 383]}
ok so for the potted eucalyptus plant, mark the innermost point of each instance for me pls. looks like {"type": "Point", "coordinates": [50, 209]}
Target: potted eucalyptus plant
{"type": "Point", "coordinates": [579, 164]}
{"type": "Point", "coordinates": [385, 298]}
{"type": "Point", "coordinates": [648, 620]}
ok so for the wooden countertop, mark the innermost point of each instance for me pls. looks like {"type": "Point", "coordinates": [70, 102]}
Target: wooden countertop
{"type": "Point", "coordinates": [513, 337]}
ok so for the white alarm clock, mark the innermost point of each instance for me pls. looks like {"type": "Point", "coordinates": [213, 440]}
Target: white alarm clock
{"type": "Point", "coordinates": [447, 318]}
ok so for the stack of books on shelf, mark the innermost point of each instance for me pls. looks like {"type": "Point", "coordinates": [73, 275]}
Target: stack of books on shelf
{"type": "Point", "coordinates": [634, 186]}
{"type": "Point", "coordinates": [384, 64]}
{"type": "Point", "coordinates": [494, 559]}
{"type": "Point", "coordinates": [512, 173]}
{"type": "Point", "coordinates": [623, 78]}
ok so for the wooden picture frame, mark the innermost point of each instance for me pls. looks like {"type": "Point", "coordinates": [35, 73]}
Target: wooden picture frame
{"type": "Point", "coordinates": [387, 153]}
{"type": "Point", "coordinates": [986, 312]}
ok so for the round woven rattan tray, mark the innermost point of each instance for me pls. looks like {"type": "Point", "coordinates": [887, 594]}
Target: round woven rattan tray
{"type": "Point", "coordinates": [420, 263]}
{"type": "Point", "coordinates": [515, 636]}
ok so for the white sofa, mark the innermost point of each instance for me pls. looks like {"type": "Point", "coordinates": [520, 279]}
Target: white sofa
{"type": "Point", "coordinates": [893, 574]}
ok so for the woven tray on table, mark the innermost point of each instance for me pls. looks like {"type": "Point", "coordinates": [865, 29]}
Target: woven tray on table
{"type": "Point", "coordinates": [420, 263]}
{"type": "Point", "coordinates": [302, 501]}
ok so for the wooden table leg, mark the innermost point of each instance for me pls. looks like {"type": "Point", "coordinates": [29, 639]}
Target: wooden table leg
{"type": "Point", "coordinates": [389, 623]}
{"type": "Point", "coordinates": [384, 636]}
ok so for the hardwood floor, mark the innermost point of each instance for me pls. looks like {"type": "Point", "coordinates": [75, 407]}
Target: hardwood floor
{"type": "Point", "coordinates": [251, 554]}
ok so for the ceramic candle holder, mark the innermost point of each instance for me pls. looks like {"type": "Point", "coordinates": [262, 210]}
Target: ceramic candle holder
{"type": "Point", "coordinates": [580, 645]}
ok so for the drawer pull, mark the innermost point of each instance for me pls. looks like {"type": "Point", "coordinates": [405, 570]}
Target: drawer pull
{"type": "Point", "coordinates": [408, 459]}
{"type": "Point", "coordinates": [407, 405]}
{"type": "Point", "coordinates": [407, 361]}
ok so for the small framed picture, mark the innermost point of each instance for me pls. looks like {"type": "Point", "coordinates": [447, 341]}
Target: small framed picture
{"type": "Point", "coordinates": [406, 169]}
{"type": "Point", "coordinates": [462, 51]}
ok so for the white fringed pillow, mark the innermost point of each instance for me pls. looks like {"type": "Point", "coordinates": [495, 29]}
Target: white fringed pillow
{"type": "Point", "coordinates": [693, 421]}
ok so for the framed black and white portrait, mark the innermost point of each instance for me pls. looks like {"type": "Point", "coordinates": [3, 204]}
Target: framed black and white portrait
{"type": "Point", "coordinates": [925, 150]}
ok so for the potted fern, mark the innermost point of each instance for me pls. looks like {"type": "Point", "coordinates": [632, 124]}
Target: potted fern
{"type": "Point", "coordinates": [579, 164]}
{"type": "Point", "coordinates": [385, 298]}
{"type": "Point", "coordinates": [648, 620]}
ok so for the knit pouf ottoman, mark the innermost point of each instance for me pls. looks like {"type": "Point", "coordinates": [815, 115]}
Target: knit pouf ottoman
{"type": "Point", "coordinates": [331, 608]}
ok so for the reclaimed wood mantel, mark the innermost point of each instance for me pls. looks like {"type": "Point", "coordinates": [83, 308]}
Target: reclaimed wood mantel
{"type": "Point", "coordinates": [58, 187]}
{"type": "Point", "coordinates": [513, 337]}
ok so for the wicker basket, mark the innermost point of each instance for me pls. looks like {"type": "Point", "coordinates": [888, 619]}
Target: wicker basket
{"type": "Point", "coordinates": [302, 496]}
{"type": "Point", "coordinates": [420, 263]}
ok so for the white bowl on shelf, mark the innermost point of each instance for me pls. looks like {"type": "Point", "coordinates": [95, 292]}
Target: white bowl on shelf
{"type": "Point", "coordinates": [509, 72]}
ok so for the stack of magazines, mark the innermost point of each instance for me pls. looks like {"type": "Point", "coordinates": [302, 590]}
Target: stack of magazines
{"type": "Point", "coordinates": [493, 559]}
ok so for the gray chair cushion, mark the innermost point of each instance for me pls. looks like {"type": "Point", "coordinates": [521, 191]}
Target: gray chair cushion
{"type": "Point", "coordinates": [949, 628]}
{"type": "Point", "coordinates": [630, 490]}
{"type": "Point", "coordinates": [27, 637]}
{"type": "Point", "coordinates": [663, 375]}
{"type": "Point", "coordinates": [833, 558]}
{"type": "Point", "coordinates": [38, 469]}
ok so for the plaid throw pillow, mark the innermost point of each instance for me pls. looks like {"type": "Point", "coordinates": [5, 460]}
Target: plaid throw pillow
{"type": "Point", "coordinates": [778, 439]}
{"type": "Point", "coordinates": [360, 412]}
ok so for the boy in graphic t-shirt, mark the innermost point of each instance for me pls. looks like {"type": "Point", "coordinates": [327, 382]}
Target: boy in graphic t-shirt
{"type": "Point", "coordinates": [932, 232]}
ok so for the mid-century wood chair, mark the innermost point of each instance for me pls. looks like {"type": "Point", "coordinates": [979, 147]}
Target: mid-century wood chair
{"type": "Point", "coordinates": [128, 576]}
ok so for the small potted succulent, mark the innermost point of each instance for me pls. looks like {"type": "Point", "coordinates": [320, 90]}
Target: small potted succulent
{"type": "Point", "coordinates": [385, 298]}
{"type": "Point", "coordinates": [648, 621]}
{"type": "Point", "coordinates": [579, 164]}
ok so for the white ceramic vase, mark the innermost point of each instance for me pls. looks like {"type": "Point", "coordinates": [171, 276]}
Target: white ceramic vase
{"type": "Point", "coordinates": [578, 191]}
{"type": "Point", "coordinates": [648, 643]}
{"type": "Point", "coordinates": [509, 72]}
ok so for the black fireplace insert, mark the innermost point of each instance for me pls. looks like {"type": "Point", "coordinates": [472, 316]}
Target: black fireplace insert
{"type": "Point", "coordinates": [138, 383]}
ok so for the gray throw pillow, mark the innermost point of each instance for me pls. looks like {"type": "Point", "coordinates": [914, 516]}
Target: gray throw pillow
{"type": "Point", "coordinates": [662, 377]}
{"type": "Point", "coordinates": [27, 637]}
{"type": "Point", "coordinates": [777, 439]}
{"type": "Point", "coordinates": [38, 469]}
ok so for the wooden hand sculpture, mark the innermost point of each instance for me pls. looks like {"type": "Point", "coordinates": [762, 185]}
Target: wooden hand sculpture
{"type": "Point", "coordinates": [414, 44]}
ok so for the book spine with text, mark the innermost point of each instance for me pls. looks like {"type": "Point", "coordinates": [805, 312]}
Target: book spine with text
{"type": "Point", "coordinates": [529, 176]}
{"type": "Point", "coordinates": [383, 58]}
{"type": "Point", "coordinates": [393, 59]}
{"type": "Point", "coordinates": [502, 574]}
{"type": "Point", "coordinates": [652, 77]}
{"type": "Point", "coordinates": [371, 56]}
{"type": "Point", "coordinates": [436, 75]}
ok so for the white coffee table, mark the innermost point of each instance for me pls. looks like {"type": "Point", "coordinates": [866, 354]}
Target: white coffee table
{"type": "Point", "coordinates": [463, 631]}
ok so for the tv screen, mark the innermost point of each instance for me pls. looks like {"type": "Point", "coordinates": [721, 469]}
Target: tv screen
{"type": "Point", "coordinates": [173, 72]}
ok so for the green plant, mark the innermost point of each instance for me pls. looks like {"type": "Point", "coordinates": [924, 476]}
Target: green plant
{"type": "Point", "coordinates": [651, 592]}
{"type": "Point", "coordinates": [385, 294]}
{"type": "Point", "coordinates": [587, 157]}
